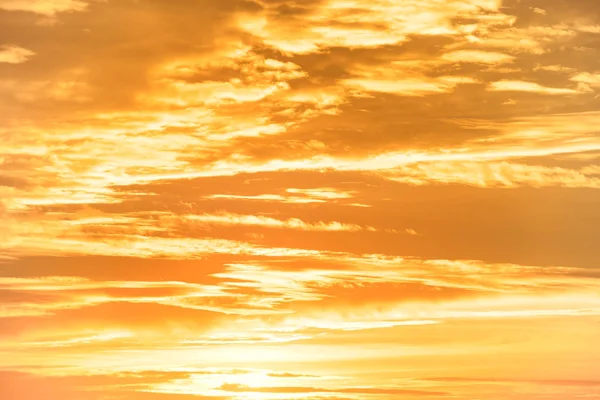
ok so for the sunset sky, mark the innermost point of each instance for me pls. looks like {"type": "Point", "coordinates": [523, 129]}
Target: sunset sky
{"type": "Point", "coordinates": [299, 199]}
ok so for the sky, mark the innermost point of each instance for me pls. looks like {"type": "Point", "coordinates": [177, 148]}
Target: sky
{"type": "Point", "coordinates": [299, 199]}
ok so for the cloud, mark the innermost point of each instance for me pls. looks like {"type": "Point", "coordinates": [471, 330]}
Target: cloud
{"type": "Point", "coordinates": [354, 24]}
{"type": "Point", "coordinates": [144, 247]}
{"type": "Point", "coordinates": [555, 133]}
{"type": "Point", "coordinates": [409, 87]}
{"type": "Point", "coordinates": [18, 386]}
{"type": "Point", "coordinates": [236, 388]}
{"type": "Point", "coordinates": [394, 282]}
{"type": "Point", "coordinates": [45, 296]}
{"type": "Point", "coordinates": [258, 220]}
{"type": "Point", "coordinates": [103, 325]}
{"type": "Point", "coordinates": [528, 87]}
{"type": "Point", "coordinates": [587, 81]}
{"type": "Point", "coordinates": [549, 382]}
{"type": "Point", "coordinates": [533, 39]}
{"type": "Point", "coordinates": [589, 28]}
{"type": "Point", "coordinates": [475, 56]}
{"type": "Point", "coordinates": [539, 10]}
{"type": "Point", "coordinates": [289, 375]}
{"type": "Point", "coordinates": [44, 7]}
{"type": "Point", "coordinates": [553, 68]}
{"type": "Point", "coordinates": [14, 54]}
{"type": "Point", "coordinates": [251, 78]}
{"type": "Point", "coordinates": [70, 87]}
{"type": "Point", "coordinates": [492, 174]}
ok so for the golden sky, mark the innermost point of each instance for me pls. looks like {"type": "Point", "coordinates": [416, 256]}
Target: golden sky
{"type": "Point", "coordinates": [299, 199]}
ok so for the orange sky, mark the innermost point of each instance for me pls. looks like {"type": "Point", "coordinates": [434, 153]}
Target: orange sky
{"type": "Point", "coordinates": [299, 199]}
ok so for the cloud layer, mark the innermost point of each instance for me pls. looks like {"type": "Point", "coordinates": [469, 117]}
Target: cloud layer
{"type": "Point", "coordinates": [285, 199]}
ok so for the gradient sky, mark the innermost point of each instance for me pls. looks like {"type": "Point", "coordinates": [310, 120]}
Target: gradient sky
{"type": "Point", "coordinates": [299, 199]}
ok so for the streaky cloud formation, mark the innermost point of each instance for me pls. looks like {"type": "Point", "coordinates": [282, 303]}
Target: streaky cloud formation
{"type": "Point", "coordinates": [286, 199]}
{"type": "Point", "coordinates": [44, 7]}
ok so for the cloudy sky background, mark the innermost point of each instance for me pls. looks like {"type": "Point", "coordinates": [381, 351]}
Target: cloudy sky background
{"type": "Point", "coordinates": [299, 199]}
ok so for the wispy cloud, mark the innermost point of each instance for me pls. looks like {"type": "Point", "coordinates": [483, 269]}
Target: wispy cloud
{"type": "Point", "coordinates": [14, 54]}
{"type": "Point", "coordinates": [531, 87]}
{"type": "Point", "coordinates": [44, 7]}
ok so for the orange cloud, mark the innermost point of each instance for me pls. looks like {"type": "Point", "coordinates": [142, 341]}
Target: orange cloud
{"type": "Point", "coordinates": [531, 87]}
{"type": "Point", "coordinates": [44, 7]}
{"type": "Point", "coordinates": [14, 54]}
